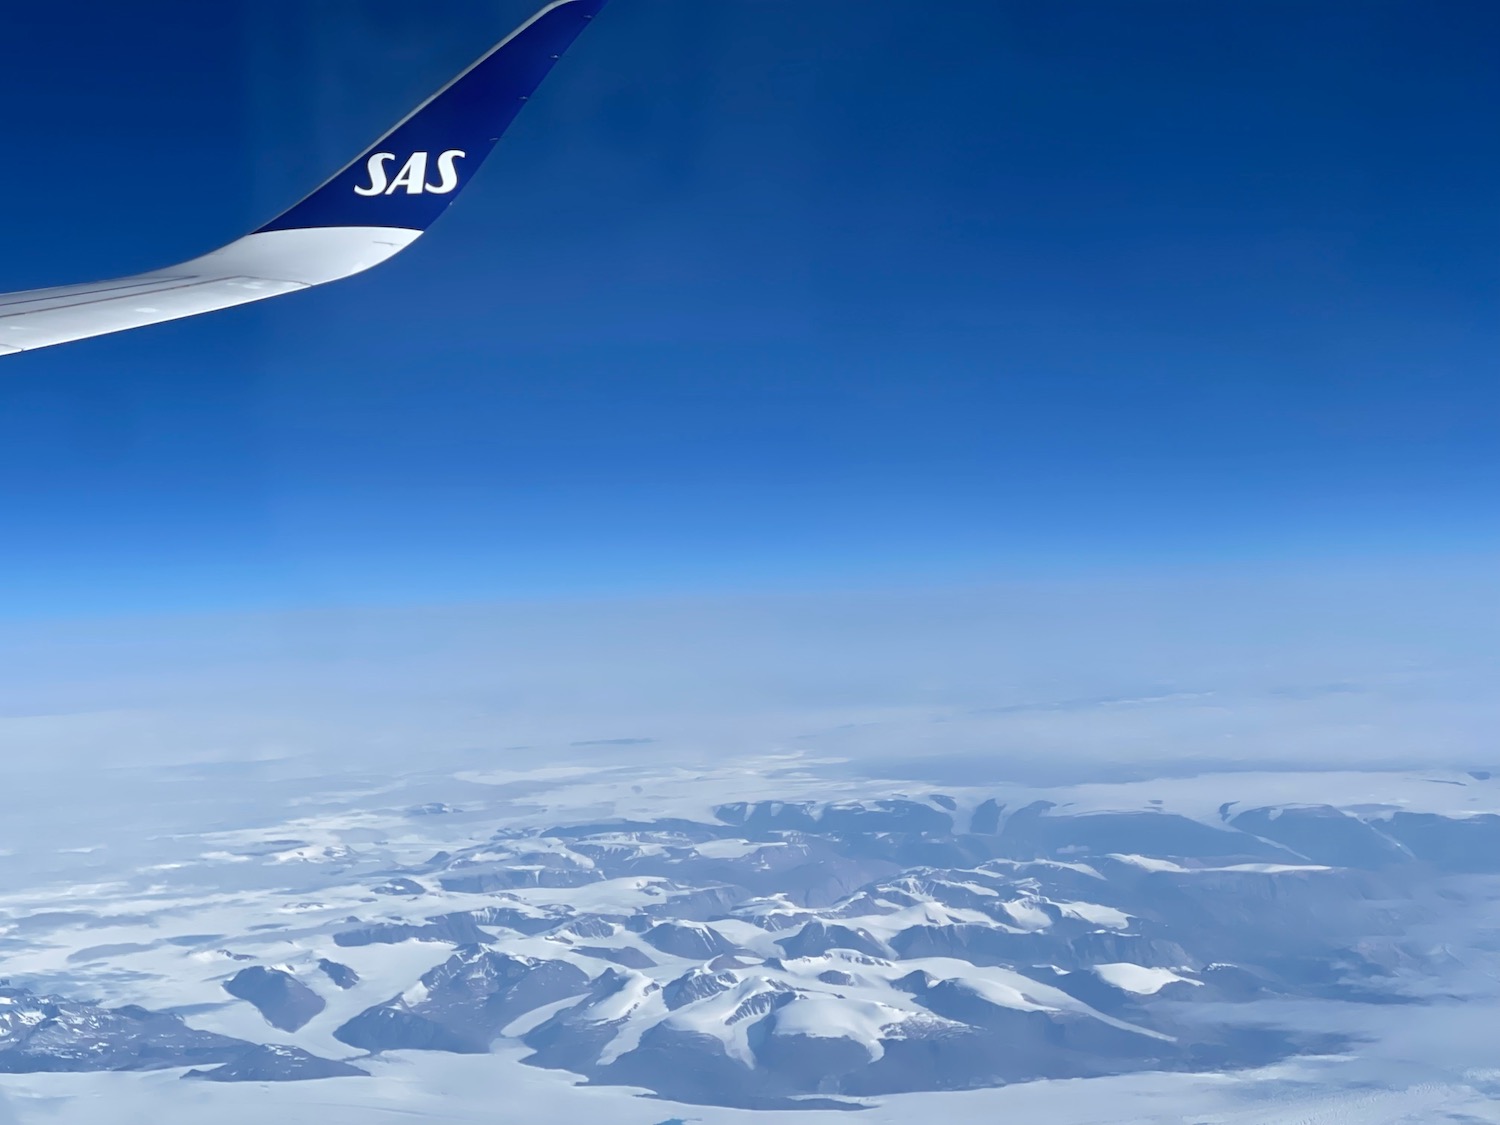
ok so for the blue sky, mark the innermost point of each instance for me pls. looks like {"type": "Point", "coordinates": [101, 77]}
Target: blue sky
{"type": "Point", "coordinates": [764, 294]}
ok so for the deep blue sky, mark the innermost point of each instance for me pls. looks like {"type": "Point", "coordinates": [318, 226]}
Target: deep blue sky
{"type": "Point", "coordinates": [763, 293]}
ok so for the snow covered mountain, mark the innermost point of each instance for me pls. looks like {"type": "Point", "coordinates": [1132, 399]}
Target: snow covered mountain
{"type": "Point", "coordinates": [50, 1033]}
{"type": "Point", "coordinates": [764, 953]}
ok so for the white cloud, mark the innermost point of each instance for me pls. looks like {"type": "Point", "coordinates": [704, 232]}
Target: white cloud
{"type": "Point", "coordinates": [1043, 680]}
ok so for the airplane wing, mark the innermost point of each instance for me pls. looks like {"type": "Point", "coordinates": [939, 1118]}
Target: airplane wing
{"type": "Point", "coordinates": [371, 210]}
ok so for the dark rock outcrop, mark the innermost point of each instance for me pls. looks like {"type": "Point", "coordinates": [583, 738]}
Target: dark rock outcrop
{"type": "Point", "coordinates": [341, 975]}
{"type": "Point", "coordinates": [463, 1004]}
{"type": "Point", "coordinates": [284, 1001]}
{"type": "Point", "coordinates": [275, 1063]}
{"type": "Point", "coordinates": [50, 1033]}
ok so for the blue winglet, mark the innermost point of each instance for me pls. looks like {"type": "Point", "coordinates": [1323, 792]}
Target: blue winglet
{"type": "Point", "coordinates": [410, 176]}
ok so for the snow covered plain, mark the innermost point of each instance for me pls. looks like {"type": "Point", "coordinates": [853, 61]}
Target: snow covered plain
{"type": "Point", "coordinates": [650, 944]}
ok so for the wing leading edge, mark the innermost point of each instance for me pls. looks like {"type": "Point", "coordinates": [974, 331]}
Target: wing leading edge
{"type": "Point", "coordinates": [372, 209]}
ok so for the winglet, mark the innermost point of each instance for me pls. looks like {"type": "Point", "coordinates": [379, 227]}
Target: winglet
{"type": "Point", "coordinates": [373, 209]}
{"type": "Point", "coordinates": [411, 175]}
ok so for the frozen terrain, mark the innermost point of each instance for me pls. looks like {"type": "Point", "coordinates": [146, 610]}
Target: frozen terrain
{"type": "Point", "coordinates": [1237, 946]}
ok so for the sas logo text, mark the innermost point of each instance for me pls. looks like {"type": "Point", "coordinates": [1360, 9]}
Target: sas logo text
{"type": "Point", "coordinates": [413, 174]}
